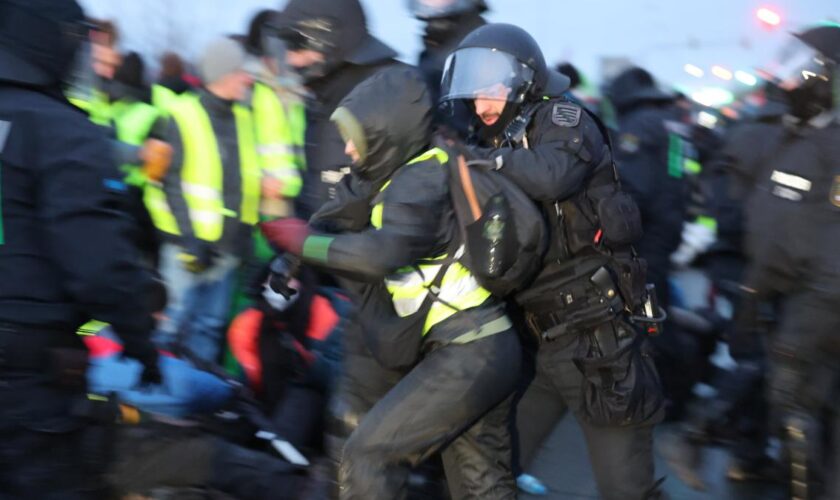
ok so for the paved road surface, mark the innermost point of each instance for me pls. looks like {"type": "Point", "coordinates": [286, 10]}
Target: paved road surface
{"type": "Point", "coordinates": [564, 467]}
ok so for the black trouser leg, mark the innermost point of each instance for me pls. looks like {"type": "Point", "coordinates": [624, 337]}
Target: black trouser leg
{"type": "Point", "coordinates": [537, 414]}
{"type": "Point", "coordinates": [621, 456]}
{"type": "Point", "coordinates": [452, 389]}
{"type": "Point", "coordinates": [466, 459]}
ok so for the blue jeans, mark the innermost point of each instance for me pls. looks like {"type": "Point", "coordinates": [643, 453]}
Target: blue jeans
{"type": "Point", "coordinates": [199, 304]}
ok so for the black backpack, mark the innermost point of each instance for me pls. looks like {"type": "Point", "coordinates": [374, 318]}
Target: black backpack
{"type": "Point", "coordinates": [503, 232]}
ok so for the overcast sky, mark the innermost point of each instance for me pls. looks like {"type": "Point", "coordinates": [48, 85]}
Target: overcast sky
{"type": "Point", "coordinates": [662, 35]}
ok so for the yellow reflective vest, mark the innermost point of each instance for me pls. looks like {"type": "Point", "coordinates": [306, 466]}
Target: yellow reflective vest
{"type": "Point", "coordinates": [409, 287]}
{"type": "Point", "coordinates": [280, 128]}
{"type": "Point", "coordinates": [202, 174]}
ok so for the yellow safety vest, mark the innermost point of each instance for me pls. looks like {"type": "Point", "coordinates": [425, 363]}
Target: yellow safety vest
{"type": "Point", "coordinates": [97, 106]}
{"type": "Point", "coordinates": [163, 97]}
{"type": "Point", "coordinates": [280, 128]}
{"type": "Point", "coordinates": [133, 121]}
{"type": "Point", "coordinates": [409, 287]}
{"type": "Point", "coordinates": [201, 174]}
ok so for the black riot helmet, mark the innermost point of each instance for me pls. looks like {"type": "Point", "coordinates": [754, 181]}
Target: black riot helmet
{"type": "Point", "coordinates": [808, 70]}
{"type": "Point", "coordinates": [337, 29]}
{"type": "Point", "coordinates": [40, 41]}
{"type": "Point", "coordinates": [435, 9]}
{"type": "Point", "coordinates": [500, 61]}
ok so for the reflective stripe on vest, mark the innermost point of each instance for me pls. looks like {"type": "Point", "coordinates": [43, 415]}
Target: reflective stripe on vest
{"type": "Point", "coordinates": [202, 175]}
{"type": "Point", "coordinates": [410, 286]}
{"type": "Point", "coordinates": [280, 137]}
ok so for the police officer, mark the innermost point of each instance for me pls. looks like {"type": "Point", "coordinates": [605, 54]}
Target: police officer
{"type": "Point", "coordinates": [741, 392]}
{"type": "Point", "coordinates": [651, 166]}
{"type": "Point", "coordinates": [578, 305]}
{"type": "Point", "coordinates": [64, 255]}
{"type": "Point", "coordinates": [328, 45]}
{"type": "Point", "coordinates": [793, 232]}
{"type": "Point", "coordinates": [462, 353]}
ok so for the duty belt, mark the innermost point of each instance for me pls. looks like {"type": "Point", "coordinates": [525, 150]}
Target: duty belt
{"type": "Point", "coordinates": [591, 305]}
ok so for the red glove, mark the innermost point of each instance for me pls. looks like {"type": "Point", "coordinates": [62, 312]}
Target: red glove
{"type": "Point", "coordinates": [286, 234]}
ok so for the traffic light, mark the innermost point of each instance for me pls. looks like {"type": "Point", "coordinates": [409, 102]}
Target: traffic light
{"type": "Point", "coordinates": [769, 17]}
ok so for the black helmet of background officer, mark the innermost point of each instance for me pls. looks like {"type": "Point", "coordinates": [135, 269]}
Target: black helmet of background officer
{"type": "Point", "coordinates": [322, 35]}
{"type": "Point", "coordinates": [497, 68]}
{"type": "Point", "coordinates": [635, 86]}
{"type": "Point", "coordinates": [808, 70]}
{"type": "Point", "coordinates": [39, 40]}
{"type": "Point", "coordinates": [444, 17]}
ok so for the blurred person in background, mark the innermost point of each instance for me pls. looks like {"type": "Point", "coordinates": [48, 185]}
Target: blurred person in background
{"type": "Point", "coordinates": [741, 402]}
{"type": "Point", "coordinates": [66, 257]}
{"type": "Point", "coordinates": [792, 237]}
{"type": "Point", "coordinates": [289, 345]}
{"type": "Point", "coordinates": [590, 356]}
{"type": "Point", "coordinates": [651, 168]}
{"type": "Point", "coordinates": [133, 122]}
{"type": "Point", "coordinates": [170, 82]}
{"type": "Point", "coordinates": [446, 23]}
{"type": "Point", "coordinates": [207, 203]}
{"type": "Point", "coordinates": [327, 43]}
{"type": "Point", "coordinates": [279, 116]}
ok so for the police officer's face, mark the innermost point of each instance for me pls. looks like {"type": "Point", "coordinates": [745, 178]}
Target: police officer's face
{"type": "Point", "coordinates": [490, 102]}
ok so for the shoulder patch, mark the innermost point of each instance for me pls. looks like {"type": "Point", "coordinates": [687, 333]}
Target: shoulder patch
{"type": "Point", "coordinates": [628, 143]}
{"type": "Point", "coordinates": [566, 114]}
{"type": "Point", "coordinates": [834, 196]}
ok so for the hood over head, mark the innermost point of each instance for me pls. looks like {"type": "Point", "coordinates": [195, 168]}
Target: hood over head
{"type": "Point", "coordinates": [39, 40]}
{"type": "Point", "coordinates": [336, 28]}
{"type": "Point", "coordinates": [389, 118]}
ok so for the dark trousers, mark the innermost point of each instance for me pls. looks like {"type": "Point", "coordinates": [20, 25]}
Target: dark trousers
{"type": "Point", "coordinates": [45, 451]}
{"type": "Point", "coordinates": [621, 457]}
{"type": "Point", "coordinates": [456, 400]}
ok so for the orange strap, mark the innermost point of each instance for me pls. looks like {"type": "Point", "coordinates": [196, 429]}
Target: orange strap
{"type": "Point", "coordinates": [469, 190]}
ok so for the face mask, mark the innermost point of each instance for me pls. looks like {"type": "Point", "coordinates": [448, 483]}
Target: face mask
{"type": "Point", "coordinates": [277, 301]}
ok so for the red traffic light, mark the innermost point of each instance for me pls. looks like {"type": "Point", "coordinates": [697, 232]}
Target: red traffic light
{"type": "Point", "coordinates": [768, 16]}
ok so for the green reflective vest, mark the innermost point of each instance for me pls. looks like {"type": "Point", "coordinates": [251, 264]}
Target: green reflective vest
{"type": "Point", "coordinates": [133, 121]}
{"type": "Point", "coordinates": [459, 290]}
{"type": "Point", "coordinates": [201, 173]}
{"type": "Point", "coordinates": [280, 128]}
{"type": "Point", "coordinates": [163, 97]}
{"type": "Point", "coordinates": [97, 106]}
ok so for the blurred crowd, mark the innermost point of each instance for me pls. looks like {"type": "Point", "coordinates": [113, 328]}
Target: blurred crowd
{"type": "Point", "coordinates": [259, 181]}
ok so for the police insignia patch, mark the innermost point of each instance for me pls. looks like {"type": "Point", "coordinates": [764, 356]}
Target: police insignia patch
{"type": "Point", "coordinates": [834, 194]}
{"type": "Point", "coordinates": [566, 114]}
{"type": "Point", "coordinates": [628, 143]}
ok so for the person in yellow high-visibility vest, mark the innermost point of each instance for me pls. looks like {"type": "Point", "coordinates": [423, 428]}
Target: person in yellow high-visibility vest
{"type": "Point", "coordinates": [208, 201]}
{"type": "Point", "coordinates": [454, 340]}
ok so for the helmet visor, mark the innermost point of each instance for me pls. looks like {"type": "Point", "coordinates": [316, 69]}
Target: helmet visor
{"type": "Point", "coordinates": [796, 64]}
{"type": "Point", "coordinates": [473, 73]}
{"type": "Point", "coordinates": [431, 9]}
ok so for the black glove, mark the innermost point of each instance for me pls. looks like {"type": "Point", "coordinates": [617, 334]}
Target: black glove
{"type": "Point", "coordinates": [197, 255]}
{"type": "Point", "coordinates": [146, 353]}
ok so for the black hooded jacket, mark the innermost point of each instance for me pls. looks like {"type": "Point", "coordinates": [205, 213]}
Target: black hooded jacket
{"type": "Point", "coordinates": [65, 251]}
{"type": "Point", "coordinates": [354, 56]}
{"type": "Point", "coordinates": [394, 109]}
